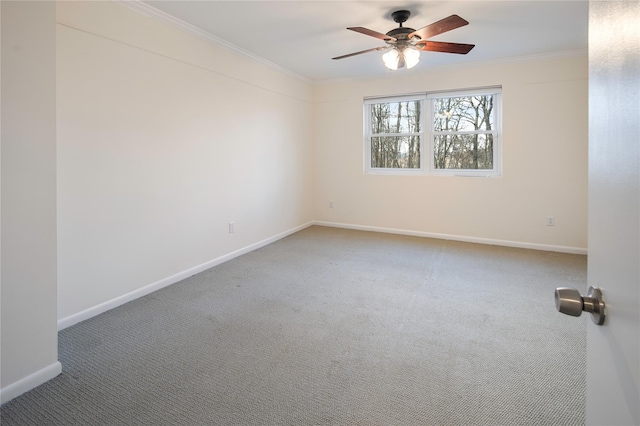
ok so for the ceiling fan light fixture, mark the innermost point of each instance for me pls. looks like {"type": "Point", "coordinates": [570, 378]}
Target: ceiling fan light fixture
{"type": "Point", "coordinates": [391, 59]}
{"type": "Point", "coordinates": [404, 44]}
{"type": "Point", "coordinates": [396, 58]}
{"type": "Point", "coordinates": [411, 56]}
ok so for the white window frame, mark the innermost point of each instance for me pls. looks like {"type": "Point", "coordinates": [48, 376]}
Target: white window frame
{"type": "Point", "coordinates": [427, 134]}
{"type": "Point", "coordinates": [496, 132]}
{"type": "Point", "coordinates": [368, 134]}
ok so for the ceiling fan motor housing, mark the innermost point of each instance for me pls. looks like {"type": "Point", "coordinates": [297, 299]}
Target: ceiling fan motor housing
{"type": "Point", "coordinates": [401, 33]}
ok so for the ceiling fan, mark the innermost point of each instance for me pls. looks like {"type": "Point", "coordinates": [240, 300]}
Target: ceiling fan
{"type": "Point", "coordinates": [404, 44]}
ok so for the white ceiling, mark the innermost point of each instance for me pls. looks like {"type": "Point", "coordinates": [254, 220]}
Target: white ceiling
{"type": "Point", "coordinates": [303, 36]}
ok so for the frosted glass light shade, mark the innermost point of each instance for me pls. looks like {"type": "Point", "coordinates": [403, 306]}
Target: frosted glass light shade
{"type": "Point", "coordinates": [391, 59]}
{"type": "Point", "coordinates": [411, 56]}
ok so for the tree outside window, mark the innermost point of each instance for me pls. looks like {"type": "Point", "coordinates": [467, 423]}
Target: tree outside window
{"type": "Point", "coordinates": [461, 138]}
{"type": "Point", "coordinates": [463, 132]}
{"type": "Point", "coordinates": [396, 134]}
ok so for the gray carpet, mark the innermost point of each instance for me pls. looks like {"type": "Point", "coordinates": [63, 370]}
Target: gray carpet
{"type": "Point", "coordinates": [332, 327]}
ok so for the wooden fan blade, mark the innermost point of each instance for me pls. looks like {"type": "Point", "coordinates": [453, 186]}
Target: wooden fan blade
{"type": "Point", "coordinates": [372, 33]}
{"type": "Point", "coordinates": [442, 26]}
{"type": "Point", "coordinates": [361, 52]}
{"type": "Point", "coordinates": [443, 46]}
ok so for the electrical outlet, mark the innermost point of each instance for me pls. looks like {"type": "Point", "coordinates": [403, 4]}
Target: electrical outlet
{"type": "Point", "coordinates": [330, 204]}
{"type": "Point", "coordinates": [232, 227]}
{"type": "Point", "coordinates": [551, 221]}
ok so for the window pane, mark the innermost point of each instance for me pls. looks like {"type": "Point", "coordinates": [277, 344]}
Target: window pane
{"type": "Point", "coordinates": [398, 152]}
{"type": "Point", "coordinates": [463, 152]}
{"type": "Point", "coordinates": [396, 117]}
{"type": "Point", "coordinates": [466, 113]}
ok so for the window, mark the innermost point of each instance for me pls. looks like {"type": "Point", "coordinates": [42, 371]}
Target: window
{"type": "Point", "coordinates": [458, 131]}
{"type": "Point", "coordinates": [394, 133]}
{"type": "Point", "coordinates": [464, 132]}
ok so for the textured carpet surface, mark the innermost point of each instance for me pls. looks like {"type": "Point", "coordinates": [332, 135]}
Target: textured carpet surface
{"type": "Point", "coordinates": [332, 327]}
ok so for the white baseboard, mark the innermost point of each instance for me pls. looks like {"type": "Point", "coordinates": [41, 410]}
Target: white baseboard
{"type": "Point", "coordinates": [143, 291]}
{"type": "Point", "coordinates": [34, 380]}
{"type": "Point", "coordinates": [488, 241]}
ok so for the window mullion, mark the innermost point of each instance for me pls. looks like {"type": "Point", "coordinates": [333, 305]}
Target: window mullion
{"type": "Point", "coordinates": [382, 135]}
{"type": "Point", "coordinates": [465, 132]}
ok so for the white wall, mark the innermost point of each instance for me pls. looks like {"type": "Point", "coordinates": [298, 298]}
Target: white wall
{"type": "Point", "coordinates": [544, 159]}
{"type": "Point", "coordinates": [163, 139]}
{"type": "Point", "coordinates": [29, 348]}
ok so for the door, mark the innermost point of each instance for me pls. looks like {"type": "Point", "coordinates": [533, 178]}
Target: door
{"type": "Point", "coordinates": [613, 350]}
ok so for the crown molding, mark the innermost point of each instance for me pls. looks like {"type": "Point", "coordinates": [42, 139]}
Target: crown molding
{"type": "Point", "coordinates": [150, 11]}
{"type": "Point", "coordinates": [523, 58]}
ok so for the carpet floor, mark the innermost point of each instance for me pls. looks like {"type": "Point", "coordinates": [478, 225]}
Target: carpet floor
{"type": "Point", "coordinates": [332, 327]}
